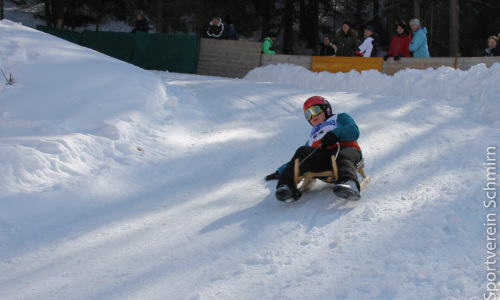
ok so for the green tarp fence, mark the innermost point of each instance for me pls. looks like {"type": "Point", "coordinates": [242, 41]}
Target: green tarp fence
{"type": "Point", "coordinates": [115, 44]}
{"type": "Point", "coordinates": [163, 52]}
{"type": "Point", "coordinates": [175, 53]}
{"type": "Point", "coordinates": [70, 36]}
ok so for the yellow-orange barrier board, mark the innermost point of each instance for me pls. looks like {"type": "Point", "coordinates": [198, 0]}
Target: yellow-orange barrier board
{"type": "Point", "coordinates": [345, 64]}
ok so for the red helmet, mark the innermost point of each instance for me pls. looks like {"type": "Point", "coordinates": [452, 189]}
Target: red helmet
{"type": "Point", "coordinates": [321, 102]}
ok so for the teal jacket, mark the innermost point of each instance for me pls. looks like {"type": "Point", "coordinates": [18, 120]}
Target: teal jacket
{"type": "Point", "coordinates": [345, 129]}
{"type": "Point", "coordinates": [267, 46]}
{"type": "Point", "coordinates": [418, 43]}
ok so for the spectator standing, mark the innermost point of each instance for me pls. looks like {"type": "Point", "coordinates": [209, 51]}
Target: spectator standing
{"type": "Point", "coordinates": [492, 49]}
{"type": "Point", "coordinates": [233, 35]}
{"type": "Point", "coordinates": [327, 48]}
{"type": "Point", "coordinates": [369, 47]}
{"type": "Point", "coordinates": [346, 42]}
{"type": "Point", "coordinates": [418, 43]}
{"type": "Point", "coordinates": [267, 44]}
{"type": "Point", "coordinates": [217, 28]}
{"type": "Point", "coordinates": [141, 23]}
{"type": "Point", "coordinates": [400, 44]}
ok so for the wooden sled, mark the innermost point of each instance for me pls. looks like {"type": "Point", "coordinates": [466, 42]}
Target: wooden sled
{"type": "Point", "coordinates": [332, 176]}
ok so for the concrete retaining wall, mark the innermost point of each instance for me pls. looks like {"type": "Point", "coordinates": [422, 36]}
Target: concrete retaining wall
{"type": "Point", "coordinates": [464, 63]}
{"type": "Point", "coordinates": [298, 60]}
{"type": "Point", "coordinates": [227, 58]}
{"type": "Point", "coordinates": [235, 59]}
{"type": "Point", "coordinates": [390, 66]}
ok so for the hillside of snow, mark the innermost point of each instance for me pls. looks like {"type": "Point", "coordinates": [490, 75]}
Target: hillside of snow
{"type": "Point", "coordinates": [121, 183]}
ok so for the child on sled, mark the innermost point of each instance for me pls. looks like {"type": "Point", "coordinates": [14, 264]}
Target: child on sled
{"type": "Point", "coordinates": [333, 134]}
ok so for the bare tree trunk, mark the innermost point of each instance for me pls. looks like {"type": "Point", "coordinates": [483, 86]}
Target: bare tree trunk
{"type": "Point", "coordinates": [201, 22]}
{"type": "Point", "coordinates": [376, 19]}
{"type": "Point", "coordinates": [358, 19]}
{"type": "Point", "coordinates": [266, 7]}
{"type": "Point", "coordinates": [58, 13]}
{"type": "Point", "coordinates": [98, 12]}
{"type": "Point", "coordinates": [454, 29]}
{"type": "Point", "coordinates": [303, 18]}
{"type": "Point", "coordinates": [313, 24]}
{"type": "Point", "coordinates": [48, 14]}
{"type": "Point", "coordinates": [71, 22]}
{"type": "Point", "coordinates": [288, 30]}
{"type": "Point", "coordinates": [416, 9]}
{"type": "Point", "coordinates": [334, 19]}
{"type": "Point", "coordinates": [159, 16]}
{"type": "Point", "coordinates": [391, 22]}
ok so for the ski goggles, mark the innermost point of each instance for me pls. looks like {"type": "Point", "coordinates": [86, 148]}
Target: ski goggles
{"type": "Point", "coordinates": [312, 111]}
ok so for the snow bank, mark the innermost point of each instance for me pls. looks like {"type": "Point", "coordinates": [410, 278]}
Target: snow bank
{"type": "Point", "coordinates": [475, 89]}
{"type": "Point", "coordinates": [67, 106]}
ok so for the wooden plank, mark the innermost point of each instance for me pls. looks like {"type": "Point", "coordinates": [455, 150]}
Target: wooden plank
{"type": "Point", "coordinates": [345, 64]}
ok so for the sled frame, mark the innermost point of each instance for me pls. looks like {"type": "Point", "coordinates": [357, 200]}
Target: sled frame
{"type": "Point", "coordinates": [330, 176]}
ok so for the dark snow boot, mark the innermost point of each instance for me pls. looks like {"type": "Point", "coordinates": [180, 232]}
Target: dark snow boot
{"type": "Point", "coordinates": [285, 194]}
{"type": "Point", "coordinates": [347, 190]}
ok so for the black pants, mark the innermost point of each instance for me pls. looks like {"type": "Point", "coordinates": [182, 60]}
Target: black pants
{"type": "Point", "coordinates": [320, 161]}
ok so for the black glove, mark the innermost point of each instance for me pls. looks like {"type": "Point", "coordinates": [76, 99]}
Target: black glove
{"type": "Point", "coordinates": [397, 57]}
{"type": "Point", "coordinates": [386, 57]}
{"type": "Point", "coordinates": [329, 139]}
{"type": "Point", "coordinates": [273, 176]}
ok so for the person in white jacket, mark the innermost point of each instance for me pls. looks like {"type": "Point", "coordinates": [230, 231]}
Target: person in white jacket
{"type": "Point", "coordinates": [369, 47]}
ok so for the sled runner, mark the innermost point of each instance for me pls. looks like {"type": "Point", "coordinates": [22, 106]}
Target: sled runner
{"type": "Point", "coordinates": [332, 176]}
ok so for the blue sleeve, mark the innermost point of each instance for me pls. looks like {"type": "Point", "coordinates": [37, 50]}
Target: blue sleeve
{"type": "Point", "coordinates": [280, 169]}
{"type": "Point", "coordinates": [346, 130]}
{"type": "Point", "coordinates": [417, 41]}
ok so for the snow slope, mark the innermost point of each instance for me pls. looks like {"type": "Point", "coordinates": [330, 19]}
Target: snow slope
{"type": "Point", "coordinates": [120, 183]}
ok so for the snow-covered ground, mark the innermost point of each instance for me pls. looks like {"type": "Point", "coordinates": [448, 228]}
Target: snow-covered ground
{"type": "Point", "coordinates": [120, 183]}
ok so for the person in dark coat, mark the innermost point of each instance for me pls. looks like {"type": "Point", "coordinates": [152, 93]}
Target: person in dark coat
{"type": "Point", "coordinates": [233, 35]}
{"type": "Point", "coordinates": [327, 48]}
{"type": "Point", "coordinates": [141, 23]}
{"type": "Point", "coordinates": [218, 29]}
{"type": "Point", "coordinates": [346, 41]}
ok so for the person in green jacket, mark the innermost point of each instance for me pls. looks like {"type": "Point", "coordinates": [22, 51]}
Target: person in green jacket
{"type": "Point", "coordinates": [267, 45]}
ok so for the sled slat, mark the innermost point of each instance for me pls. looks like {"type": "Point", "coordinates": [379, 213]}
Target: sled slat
{"type": "Point", "coordinates": [328, 176]}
